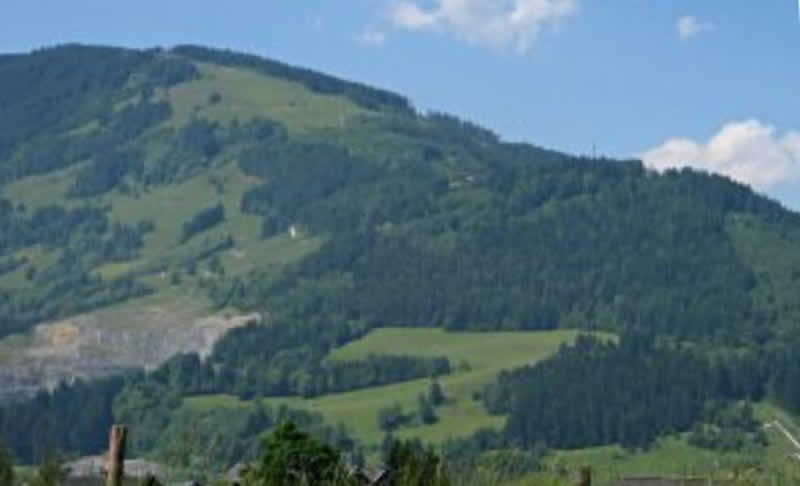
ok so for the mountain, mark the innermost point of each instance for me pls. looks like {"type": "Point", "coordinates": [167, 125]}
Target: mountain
{"type": "Point", "coordinates": [107, 156]}
{"type": "Point", "coordinates": [113, 159]}
{"type": "Point", "coordinates": [153, 201]}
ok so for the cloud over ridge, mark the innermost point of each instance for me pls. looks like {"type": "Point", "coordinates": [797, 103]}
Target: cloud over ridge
{"type": "Point", "coordinates": [493, 23]}
{"type": "Point", "coordinates": [747, 151]}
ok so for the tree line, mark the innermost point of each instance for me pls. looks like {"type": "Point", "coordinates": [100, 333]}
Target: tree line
{"type": "Point", "coordinates": [599, 392]}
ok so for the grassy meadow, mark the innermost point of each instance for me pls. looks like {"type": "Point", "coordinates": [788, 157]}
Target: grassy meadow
{"type": "Point", "coordinates": [477, 358]}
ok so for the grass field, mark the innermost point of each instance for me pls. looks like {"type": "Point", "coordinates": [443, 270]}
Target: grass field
{"type": "Point", "coordinates": [36, 254]}
{"type": "Point", "coordinates": [668, 457]}
{"type": "Point", "coordinates": [168, 207]}
{"type": "Point", "coordinates": [486, 353]}
{"type": "Point", "coordinates": [247, 94]}
{"type": "Point", "coordinates": [43, 190]}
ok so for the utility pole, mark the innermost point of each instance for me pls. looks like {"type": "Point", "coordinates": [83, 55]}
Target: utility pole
{"type": "Point", "coordinates": [115, 465]}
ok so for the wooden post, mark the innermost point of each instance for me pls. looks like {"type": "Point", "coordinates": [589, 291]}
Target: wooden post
{"type": "Point", "coordinates": [585, 476]}
{"type": "Point", "coordinates": [115, 465]}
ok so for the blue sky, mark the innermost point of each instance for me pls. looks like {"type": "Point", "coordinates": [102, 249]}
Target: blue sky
{"type": "Point", "coordinates": [709, 83]}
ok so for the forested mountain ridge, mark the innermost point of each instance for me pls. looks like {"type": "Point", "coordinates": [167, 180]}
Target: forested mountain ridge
{"type": "Point", "coordinates": [111, 161]}
{"type": "Point", "coordinates": [194, 177]}
{"type": "Point", "coordinates": [551, 240]}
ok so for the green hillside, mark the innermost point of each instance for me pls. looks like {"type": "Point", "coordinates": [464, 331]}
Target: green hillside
{"type": "Point", "coordinates": [479, 357]}
{"type": "Point", "coordinates": [153, 137]}
{"type": "Point", "coordinates": [375, 247]}
{"type": "Point", "coordinates": [675, 457]}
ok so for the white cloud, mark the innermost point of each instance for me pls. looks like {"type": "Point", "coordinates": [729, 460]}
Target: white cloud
{"type": "Point", "coordinates": [689, 26]}
{"type": "Point", "coordinates": [372, 38]}
{"type": "Point", "coordinates": [494, 23]}
{"type": "Point", "coordinates": [410, 16]}
{"type": "Point", "coordinates": [747, 151]}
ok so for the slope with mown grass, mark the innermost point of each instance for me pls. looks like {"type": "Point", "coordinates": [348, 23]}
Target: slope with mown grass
{"type": "Point", "coordinates": [477, 358]}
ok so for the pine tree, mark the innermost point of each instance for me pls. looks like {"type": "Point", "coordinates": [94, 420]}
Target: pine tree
{"type": "Point", "coordinates": [6, 466]}
{"type": "Point", "coordinates": [426, 411]}
{"type": "Point", "coordinates": [436, 394]}
{"type": "Point", "coordinates": [290, 456]}
{"type": "Point", "coordinates": [386, 446]}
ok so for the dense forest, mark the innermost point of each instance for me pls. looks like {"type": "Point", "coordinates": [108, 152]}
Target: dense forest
{"type": "Point", "coordinates": [595, 393]}
{"type": "Point", "coordinates": [207, 218]}
{"type": "Point", "coordinates": [426, 251]}
{"type": "Point", "coordinates": [475, 277]}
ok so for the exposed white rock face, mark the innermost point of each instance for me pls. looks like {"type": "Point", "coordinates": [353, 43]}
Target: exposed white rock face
{"type": "Point", "coordinates": [103, 343]}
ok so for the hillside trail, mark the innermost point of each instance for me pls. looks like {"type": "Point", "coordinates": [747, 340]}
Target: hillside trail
{"type": "Point", "coordinates": [791, 438]}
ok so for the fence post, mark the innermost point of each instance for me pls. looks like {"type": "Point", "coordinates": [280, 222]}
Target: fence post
{"type": "Point", "coordinates": [115, 465]}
